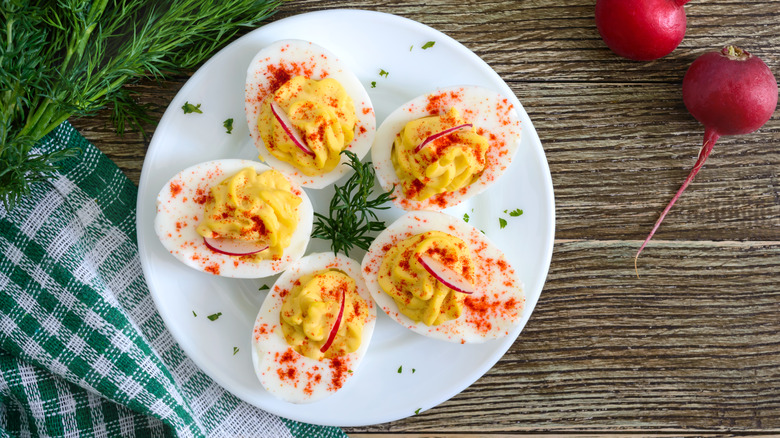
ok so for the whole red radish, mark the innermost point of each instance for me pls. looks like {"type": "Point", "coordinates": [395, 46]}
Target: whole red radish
{"type": "Point", "coordinates": [641, 30]}
{"type": "Point", "coordinates": [730, 92]}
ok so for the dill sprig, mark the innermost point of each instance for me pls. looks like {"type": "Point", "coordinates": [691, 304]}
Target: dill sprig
{"type": "Point", "coordinates": [70, 58]}
{"type": "Point", "coordinates": [351, 220]}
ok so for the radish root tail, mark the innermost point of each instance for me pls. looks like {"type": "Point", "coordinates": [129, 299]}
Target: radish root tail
{"type": "Point", "coordinates": [710, 137]}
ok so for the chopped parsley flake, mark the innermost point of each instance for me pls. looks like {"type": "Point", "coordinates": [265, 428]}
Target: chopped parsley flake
{"type": "Point", "coordinates": [413, 370]}
{"type": "Point", "coordinates": [417, 411]}
{"type": "Point", "coordinates": [373, 84]}
{"type": "Point", "coordinates": [516, 212]}
{"type": "Point", "coordinates": [411, 47]}
{"type": "Point", "coordinates": [401, 368]}
{"type": "Point", "coordinates": [235, 350]}
{"type": "Point", "coordinates": [228, 124]}
{"type": "Point", "coordinates": [264, 287]}
{"type": "Point", "coordinates": [214, 316]}
{"type": "Point", "coordinates": [465, 217]}
{"type": "Point", "coordinates": [194, 314]}
{"type": "Point", "coordinates": [190, 108]}
{"type": "Point", "coordinates": [350, 371]}
{"type": "Point", "coordinates": [382, 72]}
{"type": "Point", "coordinates": [428, 45]}
{"type": "Point", "coordinates": [501, 222]}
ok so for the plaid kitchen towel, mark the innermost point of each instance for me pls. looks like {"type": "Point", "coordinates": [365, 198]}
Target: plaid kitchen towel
{"type": "Point", "coordinates": [83, 351]}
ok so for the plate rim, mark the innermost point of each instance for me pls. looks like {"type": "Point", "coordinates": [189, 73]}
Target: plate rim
{"type": "Point", "coordinates": [547, 188]}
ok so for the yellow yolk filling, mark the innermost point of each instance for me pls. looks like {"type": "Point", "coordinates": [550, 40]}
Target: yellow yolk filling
{"type": "Point", "coordinates": [311, 309]}
{"type": "Point", "coordinates": [323, 113]}
{"type": "Point", "coordinates": [418, 294]}
{"type": "Point", "coordinates": [253, 207]}
{"type": "Point", "coordinates": [446, 164]}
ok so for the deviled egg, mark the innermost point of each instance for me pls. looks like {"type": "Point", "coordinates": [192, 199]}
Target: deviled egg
{"type": "Point", "coordinates": [442, 278]}
{"type": "Point", "coordinates": [304, 107]}
{"type": "Point", "coordinates": [443, 147]}
{"type": "Point", "coordinates": [234, 218]}
{"type": "Point", "coordinates": [313, 328]}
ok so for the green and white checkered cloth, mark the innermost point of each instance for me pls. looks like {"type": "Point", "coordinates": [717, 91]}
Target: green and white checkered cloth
{"type": "Point", "coordinates": [83, 351]}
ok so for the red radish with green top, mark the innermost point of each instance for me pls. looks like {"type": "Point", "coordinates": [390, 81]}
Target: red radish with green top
{"type": "Point", "coordinates": [641, 30]}
{"type": "Point", "coordinates": [731, 92]}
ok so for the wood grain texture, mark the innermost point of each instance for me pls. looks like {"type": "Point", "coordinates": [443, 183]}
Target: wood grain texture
{"type": "Point", "coordinates": [692, 346]}
{"type": "Point", "coordinates": [693, 343]}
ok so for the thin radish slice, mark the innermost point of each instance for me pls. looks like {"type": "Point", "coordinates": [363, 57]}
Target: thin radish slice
{"type": "Point", "coordinates": [336, 325]}
{"type": "Point", "coordinates": [290, 129]}
{"type": "Point", "coordinates": [445, 275]}
{"type": "Point", "coordinates": [234, 247]}
{"type": "Point", "coordinates": [440, 134]}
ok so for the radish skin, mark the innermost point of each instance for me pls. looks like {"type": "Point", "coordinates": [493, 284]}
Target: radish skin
{"type": "Point", "coordinates": [730, 92]}
{"type": "Point", "coordinates": [641, 30]}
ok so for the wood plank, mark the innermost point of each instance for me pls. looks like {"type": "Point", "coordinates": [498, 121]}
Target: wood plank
{"type": "Point", "coordinates": [692, 347]}
{"type": "Point", "coordinates": [611, 434]}
{"type": "Point", "coordinates": [538, 40]}
{"type": "Point", "coordinates": [616, 157]}
{"type": "Point", "coordinates": [679, 348]}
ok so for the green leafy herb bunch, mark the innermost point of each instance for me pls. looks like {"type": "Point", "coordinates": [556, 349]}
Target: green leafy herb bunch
{"type": "Point", "coordinates": [70, 58]}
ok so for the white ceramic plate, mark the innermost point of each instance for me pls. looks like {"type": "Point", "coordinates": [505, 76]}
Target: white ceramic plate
{"type": "Point", "coordinates": [431, 371]}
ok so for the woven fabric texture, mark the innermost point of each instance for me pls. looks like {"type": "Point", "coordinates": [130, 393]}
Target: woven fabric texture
{"type": "Point", "coordinates": [83, 351]}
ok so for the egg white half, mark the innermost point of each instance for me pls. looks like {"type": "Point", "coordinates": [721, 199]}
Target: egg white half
{"type": "Point", "coordinates": [179, 213]}
{"type": "Point", "coordinates": [489, 112]}
{"type": "Point", "coordinates": [492, 311]}
{"type": "Point", "coordinates": [284, 372]}
{"type": "Point", "coordinates": [299, 57]}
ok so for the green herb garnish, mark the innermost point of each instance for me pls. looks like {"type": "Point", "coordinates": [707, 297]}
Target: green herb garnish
{"type": "Point", "coordinates": [465, 217]}
{"type": "Point", "coordinates": [516, 213]}
{"type": "Point", "coordinates": [235, 350]}
{"type": "Point", "coordinates": [189, 108]}
{"type": "Point", "coordinates": [264, 287]}
{"type": "Point", "coordinates": [501, 222]}
{"type": "Point", "coordinates": [401, 368]}
{"type": "Point", "coordinates": [194, 314]}
{"type": "Point", "coordinates": [373, 84]}
{"type": "Point", "coordinates": [428, 45]}
{"type": "Point", "coordinates": [382, 72]}
{"type": "Point", "coordinates": [351, 218]}
{"type": "Point", "coordinates": [214, 316]}
{"type": "Point", "coordinates": [228, 124]}
{"type": "Point", "coordinates": [417, 411]}
{"type": "Point", "coordinates": [68, 59]}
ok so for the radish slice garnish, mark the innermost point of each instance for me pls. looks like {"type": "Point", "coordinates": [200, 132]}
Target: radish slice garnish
{"type": "Point", "coordinates": [290, 129]}
{"type": "Point", "coordinates": [440, 134]}
{"type": "Point", "coordinates": [234, 247]}
{"type": "Point", "coordinates": [445, 275]}
{"type": "Point", "coordinates": [336, 325]}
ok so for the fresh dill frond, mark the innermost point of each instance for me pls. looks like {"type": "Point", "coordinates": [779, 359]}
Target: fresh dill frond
{"type": "Point", "coordinates": [63, 59]}
{"type": "Point", "coordinates": [352, 219]}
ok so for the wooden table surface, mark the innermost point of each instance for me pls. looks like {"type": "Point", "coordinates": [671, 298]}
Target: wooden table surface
{"type": "Point", "coordinates": [692, 347]}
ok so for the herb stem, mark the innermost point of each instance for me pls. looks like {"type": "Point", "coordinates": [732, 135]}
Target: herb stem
{"type": "Point", "coordinates": [351, 220]}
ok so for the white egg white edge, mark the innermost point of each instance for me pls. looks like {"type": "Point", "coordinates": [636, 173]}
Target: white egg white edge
{"type": "Point", "coordinates": [333, 66]}
{"type": "Point", "coordinates": [482, 101]}
{"type": "Point", "coordinates": [273, 342]}
{"type": "Point", "coordinates": [190, 180]}
{"type": "Point", "coordinates": [417, 222]}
